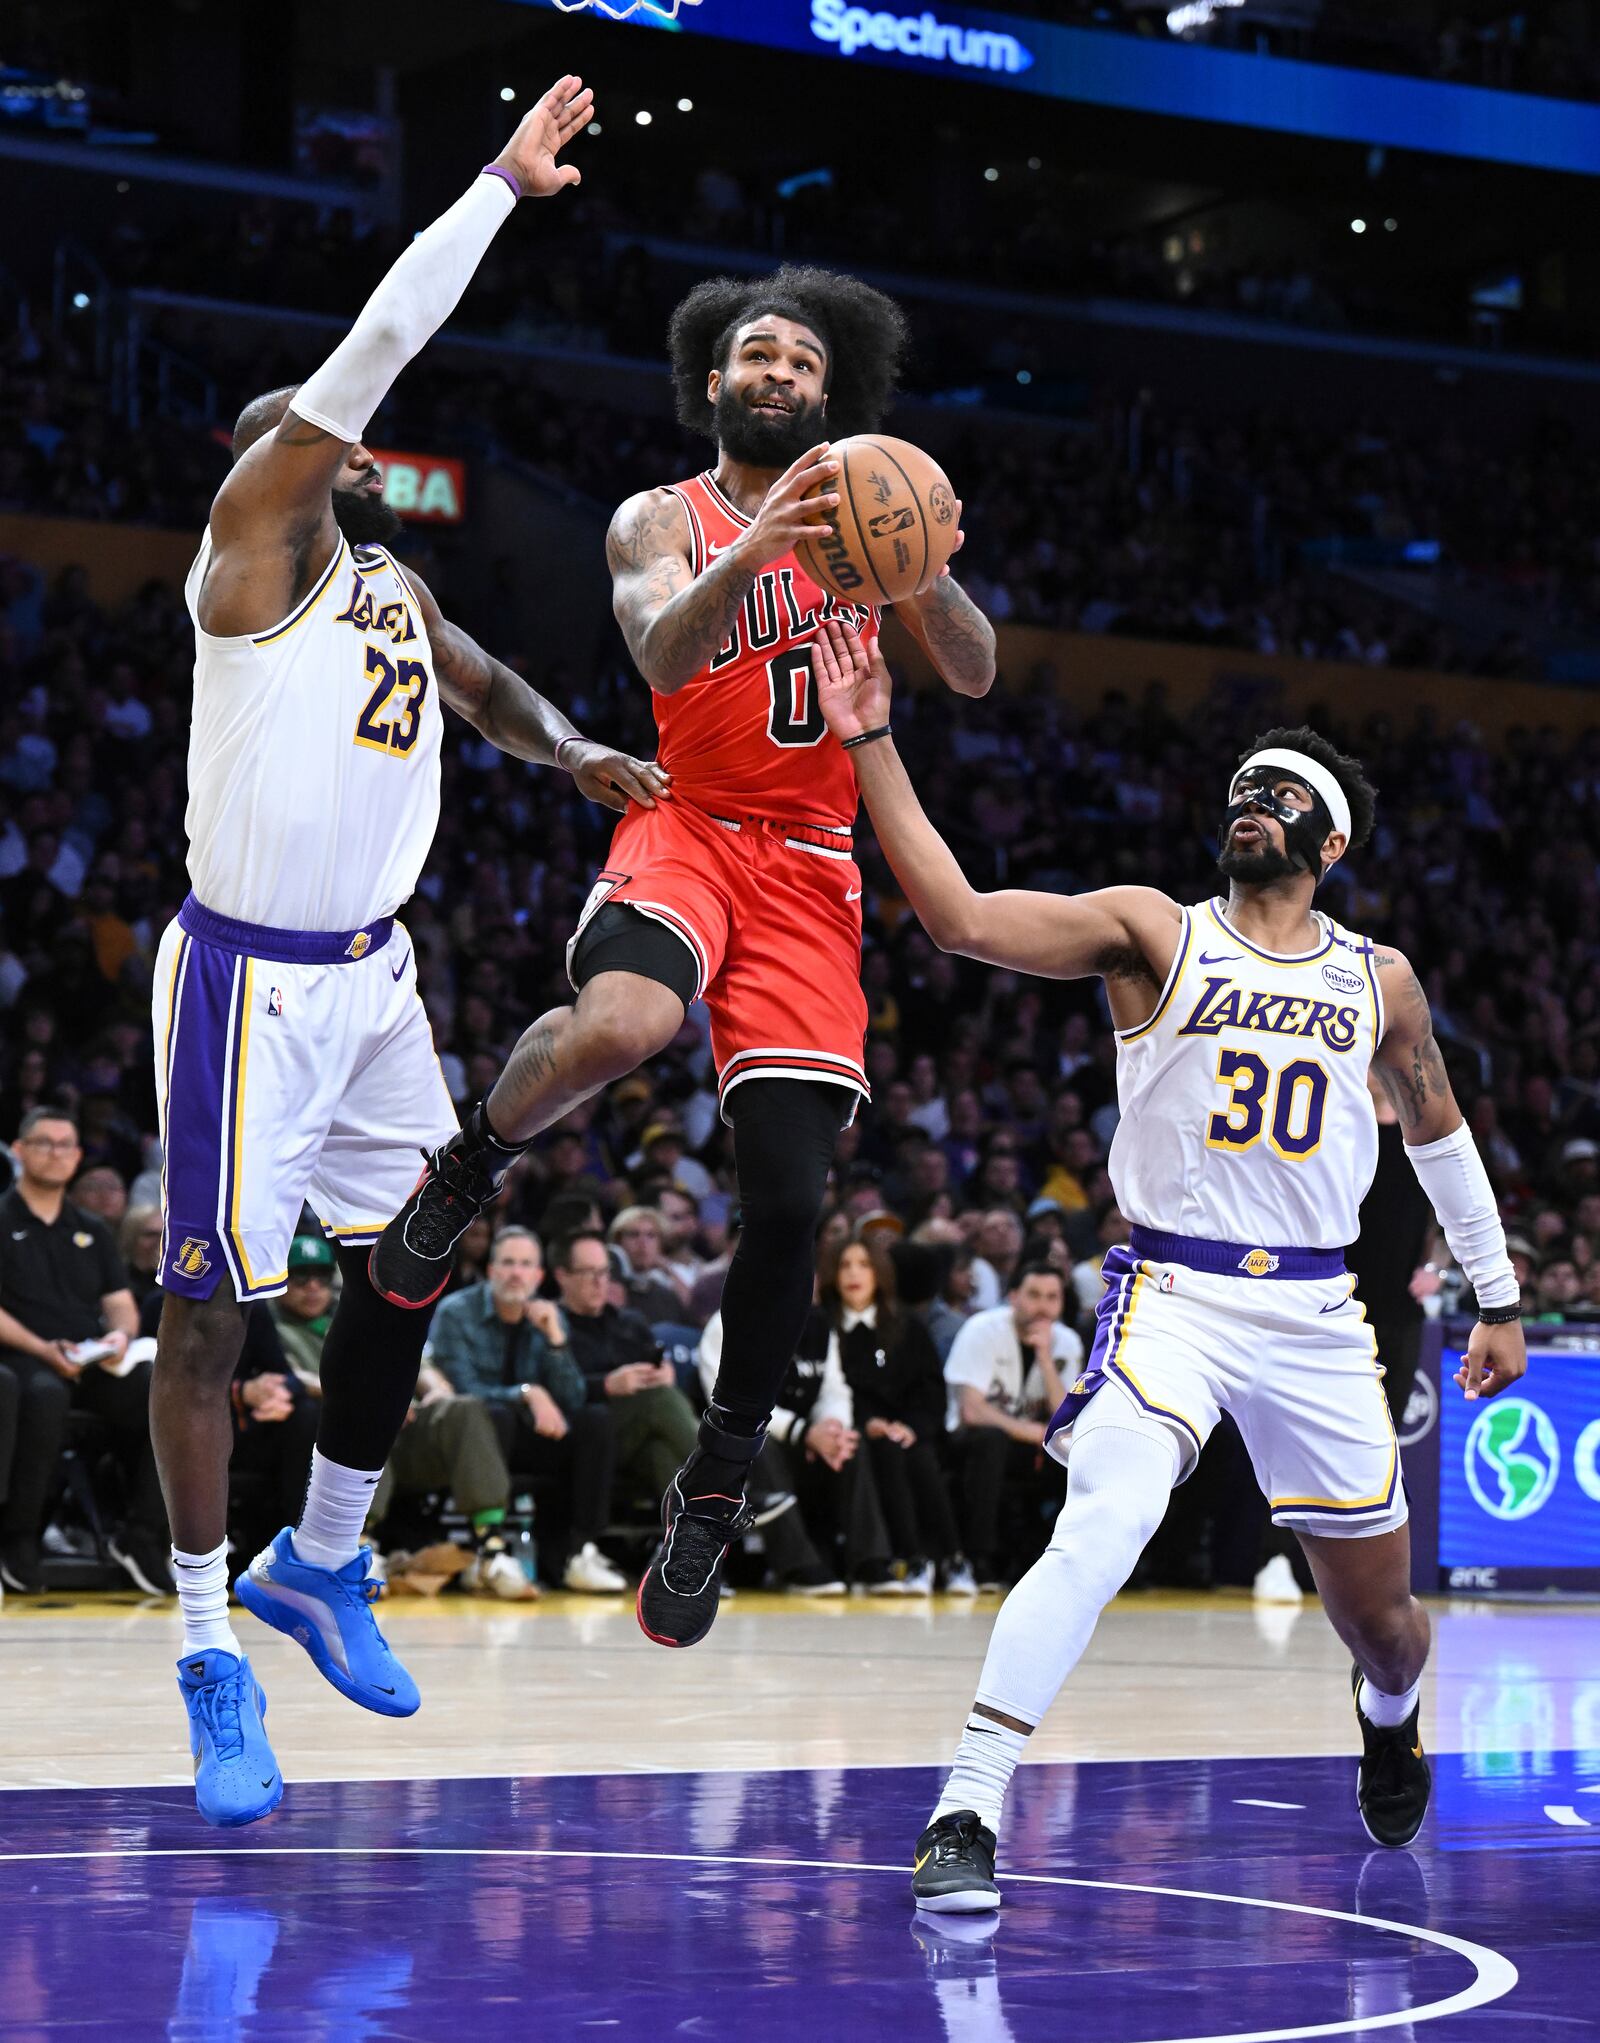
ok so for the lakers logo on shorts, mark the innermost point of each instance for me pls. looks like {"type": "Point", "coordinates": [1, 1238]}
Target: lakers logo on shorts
{"type": "Point", "coordinates": [1259, 1263]}
{"type": "Point", "coordinates": [359, 945]}
{"type": "Point", "coordinates": [189, 1258]}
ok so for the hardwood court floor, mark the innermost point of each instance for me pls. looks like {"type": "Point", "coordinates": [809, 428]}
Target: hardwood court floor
{"type": "Point", "coordinates": [569, 1685]}
{"type": "Point", "coordinates": [581, 1833]}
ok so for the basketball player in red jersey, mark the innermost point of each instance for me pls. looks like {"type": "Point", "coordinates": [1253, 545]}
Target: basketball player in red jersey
{"type": "Point", "coordinates": [740, 887]}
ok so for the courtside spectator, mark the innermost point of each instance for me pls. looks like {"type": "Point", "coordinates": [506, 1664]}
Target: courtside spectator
{"type": "Point", "coordinates": [305, 1311]}
{"type": "Point", "coordinates": [1006, 1373]}
{"type": "Point", "coordinates": [898, 1399]}
{"type": "Point", "coordinates": [67, 1315]}
{"type": "Point", "coordinates": [501, 1342]}
{"type": "Point", "coordinates": [653, 1423]}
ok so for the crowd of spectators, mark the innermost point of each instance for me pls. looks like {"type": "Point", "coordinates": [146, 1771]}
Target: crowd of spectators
{"type": "Point", "coordinates": [584, 1327]}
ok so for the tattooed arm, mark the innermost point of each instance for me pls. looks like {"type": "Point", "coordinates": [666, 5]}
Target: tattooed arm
{"type": "Point", "coordinates": [1409, 1065]}
{"type": "Point", "coordinates": [954, 633]}
{"type": "Point", "coordinates": [673, 619]}
{"type": "Point", "coordinates": [519, 720]}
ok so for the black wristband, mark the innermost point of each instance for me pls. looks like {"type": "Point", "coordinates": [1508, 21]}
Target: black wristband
{"type": "Point", "coordinates": [1498, 1315]}
{"type": "Point", "coordinates": [865, 737]}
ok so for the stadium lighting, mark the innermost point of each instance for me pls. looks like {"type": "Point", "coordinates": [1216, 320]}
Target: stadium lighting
{"type": "Point", "coordinates": [991, 175]}
{"type": "Point", "coordinates": [594, 128]}
{"type": "Point", "coordinates": [1358, 226]}
{"type": "Point", "coordinates": [686, 106]}
{"type": "Point", "coordinates": [1024, 375]}
{"type": "Point", "coordinates": [1390, 225]}
{"type": "Point", "coordinates": [643, 117]}
{"type": "Point", "coordinates": [508, 92]}
{"type": "Point", "coordinates": [1034, 163]}
{"type": "Point", "coordinates": [80, 301]}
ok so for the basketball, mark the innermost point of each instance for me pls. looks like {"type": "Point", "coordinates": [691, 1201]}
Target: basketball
{"type": "Point", "coordinates": [894, 527]}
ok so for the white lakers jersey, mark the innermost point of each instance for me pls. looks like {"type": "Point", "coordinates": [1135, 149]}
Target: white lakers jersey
{"type": "Point", "coordinates": [1245, 1110]}
{"type": "Point", "coordinates": [314, 753]}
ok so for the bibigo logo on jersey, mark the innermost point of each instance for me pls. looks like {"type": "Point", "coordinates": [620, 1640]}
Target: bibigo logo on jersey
{"type": "Point", "coordinates": [1512, 1458]}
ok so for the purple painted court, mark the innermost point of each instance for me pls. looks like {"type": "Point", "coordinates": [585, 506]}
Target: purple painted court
{"type": "Point", "coordinates": [1146, 1903]}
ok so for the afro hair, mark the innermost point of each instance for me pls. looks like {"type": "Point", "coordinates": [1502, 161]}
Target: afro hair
{"type": "Point", "coordinates": [862, 332]}
{"type": "Point", "coordinates": [1350, 773]}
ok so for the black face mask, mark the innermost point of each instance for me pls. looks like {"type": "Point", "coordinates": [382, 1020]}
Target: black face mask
{"type": "Point", "coordinates": [763, 439]}
{"type": "Point", "coordinates": [1305, 831]}
{"type": "Point", "coordinates": [364, 518]}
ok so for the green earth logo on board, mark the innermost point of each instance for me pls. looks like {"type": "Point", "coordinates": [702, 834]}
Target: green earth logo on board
{"type": "Point", "coordinates": [1512, 1458]}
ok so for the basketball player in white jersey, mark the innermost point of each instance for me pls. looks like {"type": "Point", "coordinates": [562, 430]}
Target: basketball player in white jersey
{"type": "Point", "coordinates": [1247, 1141]}
{"type": "Point", "coordinates": [294, 1062]}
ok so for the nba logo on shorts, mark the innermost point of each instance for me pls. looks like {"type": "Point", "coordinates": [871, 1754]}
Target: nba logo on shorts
{"type": "Point", "coordinates": [189, 1259]}
{"type": "Point", "coordinates": [274, 1001]}
{"type": "Point", "coordinates": [1169, 1280]}
{"type": "Point", "coordinates": [1259, 1263]}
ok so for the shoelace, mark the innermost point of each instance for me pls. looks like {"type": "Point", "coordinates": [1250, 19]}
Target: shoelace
{"type": "Point", "coordinates": [222, 1712]}
{"type": "Point", "coordinates": [708, 1534]}
{"type": "Point", "coordinates": [447, 1204]}
{"type": "Point", "coordinates": [954, 1843]}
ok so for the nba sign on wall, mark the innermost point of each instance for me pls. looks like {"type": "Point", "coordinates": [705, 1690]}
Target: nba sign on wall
{"type": "Point", "coordinates": [428, 488]}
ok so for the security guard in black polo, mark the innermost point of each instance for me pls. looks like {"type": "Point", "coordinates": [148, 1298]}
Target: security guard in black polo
{"type": "Point", "coordinates": [62, 1285]}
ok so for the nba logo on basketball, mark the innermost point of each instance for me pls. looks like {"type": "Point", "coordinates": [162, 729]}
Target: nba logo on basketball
{"type": "Point", "coordinates": [190, 1258]}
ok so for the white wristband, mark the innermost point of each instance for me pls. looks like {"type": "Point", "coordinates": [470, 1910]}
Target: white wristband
{"type": "Point", "coordinates": [1451, 1172]}
{"type": "Point", "coordinates": [404, 312]}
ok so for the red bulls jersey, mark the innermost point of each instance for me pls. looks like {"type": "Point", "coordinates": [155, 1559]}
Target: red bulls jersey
{"type": "Point", "coordinates": [745, 737]}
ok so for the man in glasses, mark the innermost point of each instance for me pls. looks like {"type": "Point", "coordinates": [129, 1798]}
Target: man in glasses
{"type": "Point", "coordinates": [67, 1314]}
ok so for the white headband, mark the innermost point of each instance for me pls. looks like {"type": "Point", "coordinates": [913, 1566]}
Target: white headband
{"type": "Point", "coordinates": [1316, 777]}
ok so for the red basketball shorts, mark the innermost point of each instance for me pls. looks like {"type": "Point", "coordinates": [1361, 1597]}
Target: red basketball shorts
{"type": "Point", "coordinates": [772, 913]}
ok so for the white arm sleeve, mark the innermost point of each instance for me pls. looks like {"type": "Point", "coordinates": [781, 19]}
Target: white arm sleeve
{"type": "Point", "coordinates": [407, 309]}
{"type": "Point", "coordinates": [1451, 1172]}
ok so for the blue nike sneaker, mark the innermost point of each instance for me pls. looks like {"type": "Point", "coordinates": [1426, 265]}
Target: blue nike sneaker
{"type": "Point", "coordinates": [236, 1778]}
{"type": "Point", "coordinates": [329, 1610]}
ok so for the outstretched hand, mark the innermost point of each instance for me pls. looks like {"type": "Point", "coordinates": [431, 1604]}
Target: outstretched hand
{"type": "Point", "coordinates": [543, 132]}
{"type": "Point", "coordinates": [616, 778]}
{"type": "Point", "coordinates": [852, 683]}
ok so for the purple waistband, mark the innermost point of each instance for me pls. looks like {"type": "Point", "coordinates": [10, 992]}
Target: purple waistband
{"type": "Point", "coordinates": [284, 946]}
{"type": "Point", "coordinates": [1235, 1258]}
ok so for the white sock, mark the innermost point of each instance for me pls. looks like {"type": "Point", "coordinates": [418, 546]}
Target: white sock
{"type": "Point", "coordinates": [336, 1506]}
{"type": "Point", "coordinates": [202, 1581]}
{"type": "Point", "coordinates": [1121, 1479]}
{"type": "Point", "coordinates": [1388, 1712]}
{"type": "Point", "coordinates": [985, 1761]}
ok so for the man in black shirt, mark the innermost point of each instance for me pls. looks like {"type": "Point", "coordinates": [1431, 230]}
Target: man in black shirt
{"type": "Point", "coordinates": [63, 1287]}
{"type": "Point", "coordinates": [654, 1423]}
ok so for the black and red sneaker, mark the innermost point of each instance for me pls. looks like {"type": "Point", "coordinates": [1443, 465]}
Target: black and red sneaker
{"type": "Point", "coordinates": [412, 1259]}
{"type": "Point", "coordinates": [682, 1586]}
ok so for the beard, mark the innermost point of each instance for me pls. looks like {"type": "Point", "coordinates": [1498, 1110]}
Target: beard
{"type": "Point", "coordinates": [764, 439]}
{"type": "Point", "coordinates": [1257, 868]}
{"type": "Point", "coordinates": [364, 518]}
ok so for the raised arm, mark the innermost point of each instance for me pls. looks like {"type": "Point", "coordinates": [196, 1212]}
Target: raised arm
{"type": "Point", "coordinates": [1126, 935]}
{"type": "Point", "coordinates": [675, 620]}
{"type": "Point", "coordinates": [519, 720]}
{"type": "Point", "coordinates": [272, 524]}
{"type": "Point", "coordinates": [952, 631]}
{"type": "Point", "coordinates": [1412, 1072]}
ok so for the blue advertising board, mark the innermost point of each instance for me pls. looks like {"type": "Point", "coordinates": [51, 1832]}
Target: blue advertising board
{"type": "Point", "coordinates": [1506, 1495]}
{"type": "Point", "coordinates": [1098, 68]}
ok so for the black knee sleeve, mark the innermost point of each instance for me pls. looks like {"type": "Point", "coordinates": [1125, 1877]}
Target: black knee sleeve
{"type": "Point", "coordinates": [369, 1369]}
{"type": "Point", "coordinates": [784, 1132]}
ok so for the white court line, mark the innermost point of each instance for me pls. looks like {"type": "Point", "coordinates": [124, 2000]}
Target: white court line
{"type": "Point", "coordinates": [1563, 1812]}
{"type": "Point", "coordinates": [1494, 1974]}
{"type": "Point", "coordinates": [1252, 1802]}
